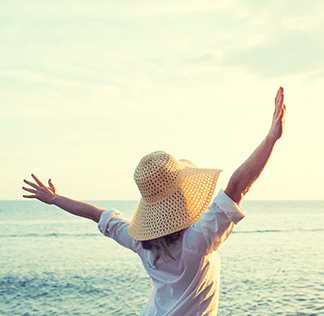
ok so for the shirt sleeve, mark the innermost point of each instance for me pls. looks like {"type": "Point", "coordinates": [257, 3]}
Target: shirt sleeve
{"type": "Point", "coordinates": [112, 224]}
{"type": "Point", "coordinates": [214, 226]}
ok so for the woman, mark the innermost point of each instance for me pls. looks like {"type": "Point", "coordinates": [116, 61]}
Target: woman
{"type": "Point", "coordinates": [173, 230]}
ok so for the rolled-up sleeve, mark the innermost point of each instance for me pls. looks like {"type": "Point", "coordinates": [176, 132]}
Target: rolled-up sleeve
{"type": "Point", "coordinates": [112, 224]}
{"type": "Point", "coordinates": [215, 225]}
{"type": "Point", "coordinates": [234, 212]}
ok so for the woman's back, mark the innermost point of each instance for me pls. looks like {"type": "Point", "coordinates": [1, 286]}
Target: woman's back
{"type": "Point", "coordinates": [189, 283]}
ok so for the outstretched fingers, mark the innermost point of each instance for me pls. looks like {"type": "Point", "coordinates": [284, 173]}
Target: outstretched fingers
{"type": "Point", "coordinates": [279, 92]}
{"type": "Point", "coordinates": [279, 103]}
{"type": "Point", "coordinates": [31, 184]}
{"type": "Point", "coordinates": [278, 119]}
{"type": "Point", "coordinates": [36, 187]}
{"type": "Point", "coordinates": [40, 191]}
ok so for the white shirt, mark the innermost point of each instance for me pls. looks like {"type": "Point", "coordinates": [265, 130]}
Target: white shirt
{"type": "Point", "coordinates": [188, 285]}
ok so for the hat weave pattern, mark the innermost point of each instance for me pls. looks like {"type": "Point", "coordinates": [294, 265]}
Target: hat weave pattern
{"type": "Point", "coordinates": [174, 194]}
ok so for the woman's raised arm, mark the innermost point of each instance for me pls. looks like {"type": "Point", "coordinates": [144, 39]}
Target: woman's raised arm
{"type": "Point", "coordinates": [48, 195]}
{"type": "Point", "coordinates": [244, 177]}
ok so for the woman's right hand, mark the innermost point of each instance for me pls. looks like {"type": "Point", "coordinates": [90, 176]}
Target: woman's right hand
{"type": "Point", "coordinates": [278, 119]}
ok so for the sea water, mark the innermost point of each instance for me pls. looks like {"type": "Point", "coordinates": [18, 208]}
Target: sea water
{"type": "Point", "coordinates": [54, 263]}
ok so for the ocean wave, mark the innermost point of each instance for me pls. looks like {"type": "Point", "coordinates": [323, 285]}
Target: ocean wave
{"type": "Point", "coordinates": [50, 235]}
{"type": "Point", "coordinates": [277, 231]}
{"type": "Point", "coordinates": [99, 235]}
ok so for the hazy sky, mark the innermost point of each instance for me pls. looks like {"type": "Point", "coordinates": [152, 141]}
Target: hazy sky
{"type": "Point", "coordinates": [89, 87]}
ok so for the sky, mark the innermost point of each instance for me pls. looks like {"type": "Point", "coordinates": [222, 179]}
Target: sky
{"type": "Point", "coordinates": [87, 88]}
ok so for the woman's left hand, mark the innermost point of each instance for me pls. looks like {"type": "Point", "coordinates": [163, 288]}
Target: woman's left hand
{"type": "Point", "coordinates": [40, 191]}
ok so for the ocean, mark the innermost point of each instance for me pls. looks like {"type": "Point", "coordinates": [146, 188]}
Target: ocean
{"type": "Point", "coordinates": [54, 263]}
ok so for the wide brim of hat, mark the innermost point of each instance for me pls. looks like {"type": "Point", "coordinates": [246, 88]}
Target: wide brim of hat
{"type": "Point", "coordinates": [180, 209]}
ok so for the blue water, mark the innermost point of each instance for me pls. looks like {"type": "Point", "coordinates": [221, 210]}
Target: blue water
{"type": "Point", "coordinates": [53, 263]}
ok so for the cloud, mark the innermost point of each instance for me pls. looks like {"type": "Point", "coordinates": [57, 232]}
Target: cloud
{"type": "Point", "coordinates": [120, 9]}
{"type": "Point", "coordinates": [285, 54]}
{"type": "Point", "coordinates": [31, 76]}
{"type": "Point", "coordinates": [274, 41]}
{"type": "Point", "coordinates": [37, 77]}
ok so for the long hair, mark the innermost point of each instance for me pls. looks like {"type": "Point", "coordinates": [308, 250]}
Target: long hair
{"type": "Point", "coordinates": [162, 244]}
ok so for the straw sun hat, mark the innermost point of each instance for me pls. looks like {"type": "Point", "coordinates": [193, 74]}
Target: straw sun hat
{"type": "Point", "coordinates": [174, 194]}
